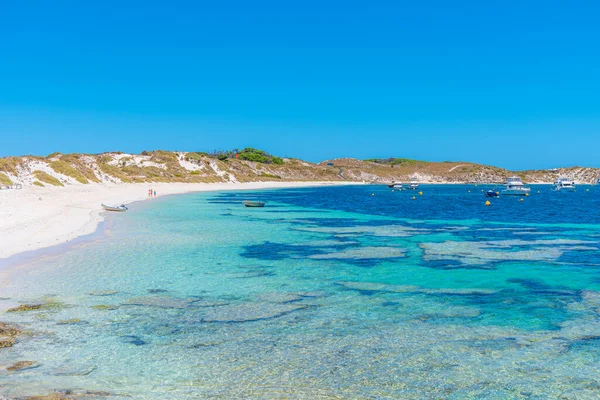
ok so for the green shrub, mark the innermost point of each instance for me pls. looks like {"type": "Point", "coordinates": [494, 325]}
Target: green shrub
{"type": "Point", "coordinates": [393, 161]}
{"type": "Point", "coordinates": [194, 156]}
{"type": "Point", "coordinates": [38, 183]}
{"type": "Point", "coordinates": [80, 166]}
{"type": "Point", "coordinates": [277, 160]}
{"type": "Point", "coordinates": [46, 178]}
{"type": "Point", "coordinates": [65, 168]}
{"type": "Point", "coordinates": [5, 180]}
{"type": "Point", "coordinates": [194, 172]}
{"type": "Point", "coordinates": [9, 164]}
{"type": "Point", "coordinates": [250, 154]}
{"type": "Point", "coordinates": [222, 157]}
{"type": "Point", "coordinates": [113, 171]}
{"type": "Point", "coordinates": [270, 176]}
{"type": "Point", "coordinates": [161, 156]}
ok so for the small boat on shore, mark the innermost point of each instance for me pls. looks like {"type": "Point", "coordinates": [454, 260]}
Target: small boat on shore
{"type": "Point", "coordinates": [253, 203]}
{"type": "Point", "coordinates": [120, 208]}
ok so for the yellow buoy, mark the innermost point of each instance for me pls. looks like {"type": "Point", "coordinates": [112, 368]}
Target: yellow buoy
{"type": "Point", "coordinates": [468, 191]}
{"type": "Point", "coordinates": [587, 190]}
{"type": "Point", "coordinates": [526, 194]}
{"type": "Point", "coordinates": [482, 190]}
{"type": "Point", "coordinates": [521, 199]}
{"type": "Point", "coordinates": [420, 193]}
{"type": "Point", "coordinates": [373, 194]}
{"type": "Point", "coordinates": [498, 193]}
{"type": "Point", "coordinates": [414, 198]}
{"type": "Point", "coordinates": [487, 203]}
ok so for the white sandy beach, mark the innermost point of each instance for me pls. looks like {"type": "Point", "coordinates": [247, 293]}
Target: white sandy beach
{"type": "Point", "coordinates": [35, 217]}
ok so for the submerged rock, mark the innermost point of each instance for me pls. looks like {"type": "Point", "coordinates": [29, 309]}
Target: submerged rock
{"type": "Point", "coordinates": [75, 371]}
{"type": "Point", "coordinates": [8, 334]}
{"type": "Point", "coordinates": [72, 321]}
{"type": "Point", "coordinates": [49, 305]}
{"type": "Point", "coordinates": [23, 365]}
{"type": "Point", "coordinates": [103, 293]}
{"type": "Point", "coordinates": [484, 254]}
{"type": "Point", "coordinates": [25, 307]}
{"type": "Point", "coordinates": [7, 342]}
{"type": "Point", "coordinates": [72, 395]}
{"type": "Point", "coordinates": [378, 287]}
{"type": "Point", "coordinates": [105, 307]}
{"type": "Point", "coordinates": [289, 297]}
{"type": "Point", "coordinates": [247, 312]}
{"type": "Point", "coordinates": [9, 329]}
{"type": "Point", "coordinates": [161, 302]}
{"type": "Point", "coordinates": [157, 291]}
{"type": "Point", "coordinates": [131, 339]}
{"type": "Point", "coordinates": [360, 253]}
{"type": "Point", "coordinates": [385, 288]}
{"type": "Point", "coordinates": [280, 297]}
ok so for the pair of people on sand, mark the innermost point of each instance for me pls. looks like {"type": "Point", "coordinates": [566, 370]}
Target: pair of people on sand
{"type": "Point", "coordinates": [151, 192]}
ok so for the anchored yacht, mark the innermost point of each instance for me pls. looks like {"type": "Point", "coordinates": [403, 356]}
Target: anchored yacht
{"type": "Point", "coordinates": [413, 185]}
{"type": "Point", "coordinates": [564, 184]}
{"type": "Point", "coordinates": [515, 187]}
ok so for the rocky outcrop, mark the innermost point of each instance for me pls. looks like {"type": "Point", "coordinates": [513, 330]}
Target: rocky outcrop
{"type": "Point", "coordinates": [9, 334]}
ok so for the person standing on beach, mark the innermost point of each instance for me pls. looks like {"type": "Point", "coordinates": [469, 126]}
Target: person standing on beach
{"type": "Point", "coordinates": [149, 193]}
{"type": "Point", "coordinates": [155, 193]}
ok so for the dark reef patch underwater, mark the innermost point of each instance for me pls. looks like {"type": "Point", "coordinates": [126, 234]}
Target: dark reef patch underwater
{"type": "Point", "coordinates": [328, 292]}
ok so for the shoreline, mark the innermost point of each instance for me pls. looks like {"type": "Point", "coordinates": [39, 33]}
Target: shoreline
{"type": "Point", "coordinates": [35, 218]}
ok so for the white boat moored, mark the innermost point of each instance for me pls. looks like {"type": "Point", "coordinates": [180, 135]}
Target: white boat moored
{"type": "Point", "coordinates": [565, 184]}
{"type": "Point", "coordinates": [514, 187]}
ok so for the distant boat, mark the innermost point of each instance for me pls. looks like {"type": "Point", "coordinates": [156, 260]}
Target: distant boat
{"type": "Point", "coordinates": [120, 208]}
{"type": "Point", "coordinates": [413, 185]}
{"type": "Point", "coordinates": [491, 193]}
{"type": "Point", "coordinates": [514, 187]}
{"type": "Point", "coordinates": [564, 184]}
{"type": "Point", "coordinates": [251, 203]}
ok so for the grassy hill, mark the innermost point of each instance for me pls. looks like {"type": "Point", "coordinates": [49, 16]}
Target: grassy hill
{"type": "Point", "coordinates": [251, 165]}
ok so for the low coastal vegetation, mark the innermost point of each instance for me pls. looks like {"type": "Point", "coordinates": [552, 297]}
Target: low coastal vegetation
{"type": "Point", "coordinates": [394, 161]}
{"type": "Point", "coordinates": [67, 169]}
{"type": "Point", "coordinates": [251, 164]}
{"type": "Point", "coordinates": [9, 164]}
{"type": "Point", "coordinates": [47, 178]}
{"type": "Point", "coordinates": [4, 179]}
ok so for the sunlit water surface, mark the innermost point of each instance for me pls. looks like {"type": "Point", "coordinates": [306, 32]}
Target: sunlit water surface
{"type": "Point", "coordinates": [334, 292]}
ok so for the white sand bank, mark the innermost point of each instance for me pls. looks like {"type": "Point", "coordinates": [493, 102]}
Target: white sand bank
{"type": "Point", "coordinates": [35, 217]}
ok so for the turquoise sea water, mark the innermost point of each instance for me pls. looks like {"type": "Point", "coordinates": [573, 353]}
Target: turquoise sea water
{"type": "Point", "coordinates": [326, 293]}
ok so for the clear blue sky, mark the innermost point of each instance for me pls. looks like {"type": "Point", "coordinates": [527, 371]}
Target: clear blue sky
{"type": "Point", "coordinates": [515, 84]}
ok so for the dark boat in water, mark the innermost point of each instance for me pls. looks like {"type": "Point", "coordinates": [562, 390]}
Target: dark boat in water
{"type": "Point", "coordinates": [491, 193]}
{"type": "Point", "coordinates": [250, 203]}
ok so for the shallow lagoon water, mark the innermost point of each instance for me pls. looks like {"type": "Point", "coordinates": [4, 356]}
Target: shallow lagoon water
{"type": "Point", "coordinates": [325, 293]}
